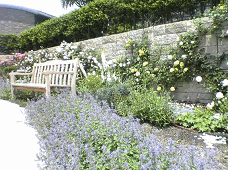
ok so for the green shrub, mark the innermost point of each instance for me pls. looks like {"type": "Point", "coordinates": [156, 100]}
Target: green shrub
{"type": "Point", "coordinates": [90, 84]}
{"type": "Point", "coordinates": [147, 105]}
{"type": "Point", "coordinates": [5, 93]}
{"type": "Point", "coordinates": [113, 94]}
{"type": "Point", "coordinates": [204, 120]}
{"type": "Point", "coordinates": [9, 69]}
{"type": "Point", "coordinates": [8, 43]}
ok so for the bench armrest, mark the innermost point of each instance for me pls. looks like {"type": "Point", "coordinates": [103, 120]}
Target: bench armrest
{"type": "Point", "coordinates": [19, 74]}
{"type": "Point", "coordinates": [13, 74]}
{"type": "Point", "coordinates": [56, 72]}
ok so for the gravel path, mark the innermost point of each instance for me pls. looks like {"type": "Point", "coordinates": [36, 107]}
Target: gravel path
{"type": "Point", "coordinates": [18, 144]}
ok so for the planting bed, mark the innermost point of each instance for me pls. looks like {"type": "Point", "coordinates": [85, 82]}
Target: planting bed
{"type": "Point", "coordinates": [188, 136]}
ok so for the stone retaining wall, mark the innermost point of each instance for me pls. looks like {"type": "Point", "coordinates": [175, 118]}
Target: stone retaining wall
{"type": "Point", "coordinates": [165, 36]}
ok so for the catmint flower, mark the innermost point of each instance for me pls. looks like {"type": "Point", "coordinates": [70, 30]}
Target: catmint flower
{"type": "Point", "coordinates": [198, 79]}
{"type": "Point", "coordinates": [219, 95]}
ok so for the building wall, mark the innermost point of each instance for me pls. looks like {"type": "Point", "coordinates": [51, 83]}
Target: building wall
{"type": "Point", "coordinates": [14, 20]}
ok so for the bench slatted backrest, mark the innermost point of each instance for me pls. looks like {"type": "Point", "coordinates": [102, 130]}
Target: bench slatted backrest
{"type": "Point", "coordinates": [55, 65]}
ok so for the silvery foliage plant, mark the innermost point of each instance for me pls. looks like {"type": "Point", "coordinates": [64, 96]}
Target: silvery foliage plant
{"type": "Point", "coordinates": [78, 132]}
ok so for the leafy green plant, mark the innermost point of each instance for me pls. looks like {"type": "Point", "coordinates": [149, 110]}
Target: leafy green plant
{"type": "Point", "coordinates": [204, 120]}
{"type": "Point", "coordinates": [113, 93]}
{"type": "Point", "coordinates": [9, 69]}
{"type": "Point", "coordinates": [90, 84]}
{"type": "Point", "coordinates": [148, 106]}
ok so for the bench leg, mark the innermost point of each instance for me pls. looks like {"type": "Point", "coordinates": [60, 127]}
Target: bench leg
{"type": "Point", "coordinates": [48, 88]}
{"type": "Point", "coordinates": [48, 91]}
{"type": "Point", "coordinates": [73, 90]}
{"type": "Point", "coordinates": [12, 91]}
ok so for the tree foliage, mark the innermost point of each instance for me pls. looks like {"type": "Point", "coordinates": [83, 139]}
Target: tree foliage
{"type": "Point", "coordinates": [79, 3]}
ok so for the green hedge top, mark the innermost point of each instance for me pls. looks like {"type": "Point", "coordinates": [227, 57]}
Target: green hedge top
{"type": "Point", "coordinates": [101, 17]}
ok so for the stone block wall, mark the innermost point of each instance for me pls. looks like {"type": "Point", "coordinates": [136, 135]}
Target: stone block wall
{"type": "Point", "coordinates": [166, 35]}
{"type": "Point", "coordinates": [192, 92]}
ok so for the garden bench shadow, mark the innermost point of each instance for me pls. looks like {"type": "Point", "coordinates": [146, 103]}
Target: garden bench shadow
{"type": "Point", "coordinates": [46, 77]}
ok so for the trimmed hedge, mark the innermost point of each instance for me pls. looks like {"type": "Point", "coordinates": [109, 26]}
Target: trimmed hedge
{"type": "Point", "coordinates": [102, 17]}
{"type": "Point", "coordinates": [8, 43]}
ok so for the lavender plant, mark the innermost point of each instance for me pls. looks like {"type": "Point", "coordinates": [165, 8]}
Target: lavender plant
{"type": "Point", "coordinates": [82, 133]}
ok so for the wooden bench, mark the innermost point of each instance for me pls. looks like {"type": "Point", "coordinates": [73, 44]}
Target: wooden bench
{"type": "Point", "coordinates": [47, 76]}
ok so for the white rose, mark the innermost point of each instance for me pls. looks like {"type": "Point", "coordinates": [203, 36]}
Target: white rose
{"type": "Point", "coordinates": [177, 62]}
{"type": "Point", "coordinates": [225, 82]}
{"type": "Point", "coordinates": [192, 42]}
{"type": "Point", "coordinates": [181, 43]}
{"type": "Point", "coordinates": [216, 115]}
{"type": "Point", "coordinates": [171, 70]}
{"type": "Point", "coordinates": [170, 57]}
{"type": "Point", "coordinates": [137, 74]}
{"type": "Point", "coordinates": [219, 95]}
{"type": "Point", "coordinates": [184, 56]}
{"type": "Point", "coordinates": [210, 105]}
{"type": "Point", "coordinates": [198, 79]}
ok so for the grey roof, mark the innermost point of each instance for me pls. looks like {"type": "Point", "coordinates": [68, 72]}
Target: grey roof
{"type": "Point", "coordinates": [27, 9]}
